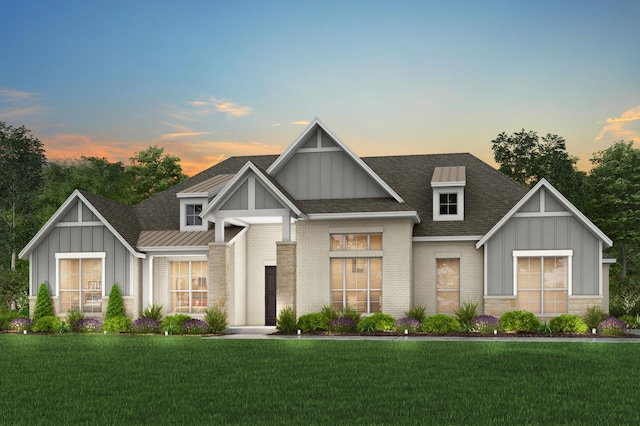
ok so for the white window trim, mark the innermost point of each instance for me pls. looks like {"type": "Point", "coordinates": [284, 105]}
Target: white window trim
{"type": "Point", "coordinates": [437, 191]}
{"type": "Point", "coordinates": [543, 253]}
{"type": "Point", "coordinates": [448, 257]}
{"type": "Point", "coordinates": [92, 255]}
{"type": "Point", "coordinates": [190, 259]}
{"type": "Point", "coordinates": [344, 281]}
{"type": "Point", "coordinates": [184, 202]}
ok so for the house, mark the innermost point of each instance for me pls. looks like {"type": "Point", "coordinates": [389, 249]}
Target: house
{"type": "Point", "coordinates": [318, 225]}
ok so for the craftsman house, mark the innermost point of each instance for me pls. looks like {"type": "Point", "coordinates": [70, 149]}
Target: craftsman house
{"type": "Point", "coordinates": [318, 225]}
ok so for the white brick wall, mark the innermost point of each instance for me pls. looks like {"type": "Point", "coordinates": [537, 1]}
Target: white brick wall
{"type": "Point", "coordinates": [424, 272]}
{"type": "Point", "coordinates": [314, 285]}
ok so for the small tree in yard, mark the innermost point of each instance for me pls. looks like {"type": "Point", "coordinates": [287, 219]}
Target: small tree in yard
{"type": "Point", "coordinates": [44, 308]}
{"type": "Point", "coordinates": [115, 307]}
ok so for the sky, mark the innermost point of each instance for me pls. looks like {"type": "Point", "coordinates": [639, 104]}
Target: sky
{"type": "Point", "coordinates": [208, 80]}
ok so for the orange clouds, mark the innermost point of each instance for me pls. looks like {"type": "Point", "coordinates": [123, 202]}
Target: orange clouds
{"type": "Point", "coordinates": [195, 156]}
{"type": "Point", "coordinates": [619, 127]}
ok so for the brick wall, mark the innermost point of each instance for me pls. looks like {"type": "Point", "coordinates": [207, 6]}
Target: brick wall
{"type": "Point", "coordinates": [424, 272]}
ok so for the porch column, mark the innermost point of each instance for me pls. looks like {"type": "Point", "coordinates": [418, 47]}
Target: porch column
{"type": "Point", "coordinates": [219, 276]}
{"type": "Point", "coordinates": [286, 273]}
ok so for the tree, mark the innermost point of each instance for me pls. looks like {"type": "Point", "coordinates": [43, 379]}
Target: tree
{"type": "Point", "coordinates": [527, 158]}
{"type": "Point", "coordinates": [43, 307]}
{"type": "Point", "coordinates": [21, 161]}
{"type": "Point", "coordinates": [153, 171]}
{"type": "Point", "coordinates": [115, 306]}
{"type": "Point", "coordinates": [614, 182]}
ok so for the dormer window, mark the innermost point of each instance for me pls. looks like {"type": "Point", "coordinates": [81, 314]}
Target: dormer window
{"type": "Point", "coordinates": [448, 184]}
{"type": "Point", "coordinates": [192, 215]}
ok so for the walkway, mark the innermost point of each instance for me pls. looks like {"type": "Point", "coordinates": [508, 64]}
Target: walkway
{"type": "Point", "coordinates": [267, 332]}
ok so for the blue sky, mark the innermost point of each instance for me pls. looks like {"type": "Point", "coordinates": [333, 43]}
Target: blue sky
{"type": "Point", "coordinates": [211, 79]}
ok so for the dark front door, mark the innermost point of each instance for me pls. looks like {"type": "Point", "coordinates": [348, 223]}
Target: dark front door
{"type": "Point", "coordinates": [270, 295]}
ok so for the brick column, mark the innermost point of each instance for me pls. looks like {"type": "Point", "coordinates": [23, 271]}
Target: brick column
{"type": "Point", "coordinates": [286, 273]}
{"type": "Point", "coordinates": [219, 276]}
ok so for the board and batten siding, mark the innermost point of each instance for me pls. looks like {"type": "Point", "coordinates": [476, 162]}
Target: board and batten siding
{"type": "Point", "coordinates": [81, 239]}
{"type": "Point", "coordinates": [543, 233]}
{"type": "Point", "coordinates": [325, 174]}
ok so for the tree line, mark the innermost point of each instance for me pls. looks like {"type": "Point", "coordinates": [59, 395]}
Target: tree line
{"type": "Point", "coordinates": [32, 188]}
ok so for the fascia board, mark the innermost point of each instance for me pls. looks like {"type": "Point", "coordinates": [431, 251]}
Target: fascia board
{"type": "Point", "coordinates": [413, 215]}
{"type": "Point", "coordinates": [452, 238]}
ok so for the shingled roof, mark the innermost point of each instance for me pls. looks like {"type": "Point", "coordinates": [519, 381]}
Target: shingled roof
{"type": "Point", "coordinates": [489, 195]}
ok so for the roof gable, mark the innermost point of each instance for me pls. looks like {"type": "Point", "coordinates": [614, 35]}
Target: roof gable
{"type": "Point", "coordinates": [320, 166]}
{"type": "Point", "coordinates": [535, 202]}
{"type": "Point", "coordinates": [119, 218]}
{"type": "Point", "coordinates": [238, 194]}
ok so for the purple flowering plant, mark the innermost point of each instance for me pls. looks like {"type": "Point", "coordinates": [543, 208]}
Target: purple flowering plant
{"type": "Point", "coordinates": [342, 325]}
{"type": "Point", "coordinates": [21, 324]}
{"type": "Point", "coordinates": [613, 326]}
{"type": "Point", "coordinates": [485, 323]}
{"type": "Point", "coordinates": [145, 325]}
{"type": "Point", "coordinates": [195, 326]}
{"type": "Point", "coordinates": [410, 324]}
{"type": "Point", "coordinates": [88, 325]}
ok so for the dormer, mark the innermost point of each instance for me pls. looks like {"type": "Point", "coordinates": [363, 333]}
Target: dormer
{"type": "Point", "coordinates": [194, 199]}
{"type": "Point", "coordinates": [448, 184]}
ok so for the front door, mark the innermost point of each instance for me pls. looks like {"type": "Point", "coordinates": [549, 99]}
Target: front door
{"type": "Point", "coordinates": [270, 295]}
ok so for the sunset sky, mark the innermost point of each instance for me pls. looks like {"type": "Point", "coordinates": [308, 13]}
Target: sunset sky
{"type": "Point", "coordinates": [208, 80]}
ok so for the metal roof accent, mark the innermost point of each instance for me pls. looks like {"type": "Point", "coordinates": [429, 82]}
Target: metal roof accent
{"type": "Point", "coordinates": [449, 176]}
{"type": "Point", "coordinates": [150, 240]}
{"type": "Point", "coordinates": [206, 188]}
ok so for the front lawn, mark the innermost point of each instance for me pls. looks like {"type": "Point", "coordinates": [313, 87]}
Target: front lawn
{"type": "Point", "coordinates": [98, 379]}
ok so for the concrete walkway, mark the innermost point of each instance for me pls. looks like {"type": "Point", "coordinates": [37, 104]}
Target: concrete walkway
{"type": "Point", "coordinates": [267, 332]}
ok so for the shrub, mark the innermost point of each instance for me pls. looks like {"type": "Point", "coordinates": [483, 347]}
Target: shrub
{"type": "Point", "coordinates": [613, 326]}
{"type": "Point", "coordinates": [418, 313]}
{"type": "Point", "coordinates": [152, 311]}
{"type": "Point", "coordinates": [195, 326]}
{"type": "Point", "coordinates": [145, 326]}
{"type": "Point", "coordinates": [217, 320]}
{"type": "Point", "coordinates": [567, 323]}
{"type": "Point", "coordinates": [342, 325]}
{"type": "Point", "coordinates": [6, 318]}
{"type": "Point", "coordinates": [115, 307]}
{"type": "Point", "coordinates": [519, 321]}
{"type": "Point", "coordinates": [484, 324]}
{"type": "Point", "coordinates": [465, 314]}
{"type": "Point", "coordinates": [21, 324]}
{"type": "Point", "coordinates": [410, 324]}
{"type": "Point", "coordinates": [440, 323]}
{"type": "Point", "coordinates": [48, 324]}
{"type": "Point", "coordinates": [351, 313]}
{"type": "Point", "coordinates": [629, 320]}
{"type": "Point", "coordinates": [120, 324]}
{"type": "Point", "coordinates": [172, 324]}
{"type": "Point", "coordinates": [313, 322]}
{"type": "Point", "coordinates": [88, 325]}
{"type": "Point", "coordinates": [43, 308]}
{"type": "Point", "coordinates": [286, 321]}
{"type": "Point", "coordinates": [376, 322]}
{"type": "Point", "coordinates": [330, 312]}
{"type": "Point", "coordinates": [73, 316]}
{"type": "Point", "coordinates": [593, 316]}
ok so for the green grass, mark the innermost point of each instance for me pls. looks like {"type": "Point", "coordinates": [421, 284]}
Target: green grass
{"type": "Point", "coordinates": [97, 379]}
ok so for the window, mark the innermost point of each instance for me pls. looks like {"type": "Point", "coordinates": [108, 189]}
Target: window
{"type": "Point", "coordinates": [542, 284]}
{"type": "Point", "coordinates": [356, 281]}
{"type": "Point", "coordinates": [80, 282]}
{"type": "Point", "coordinates": [448, 285]}
{"type": "Point", "coordinates": [192, 215]}
{"type": "Point", "coordinates": [188, 286]}
{"type": "Point", "coordinates": [448, 204]}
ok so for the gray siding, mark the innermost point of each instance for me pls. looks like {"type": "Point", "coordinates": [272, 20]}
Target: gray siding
{"type": "Point", "coordinates": [239, 200]}
{"type": "Point", "coordinates": [264, 199]}
{"type": "Point", "coordinates": [75, 239]}
{"type": "Point", "coordinates": [327, 175]}
{"type": "Point", "coordinates": [543, 233]}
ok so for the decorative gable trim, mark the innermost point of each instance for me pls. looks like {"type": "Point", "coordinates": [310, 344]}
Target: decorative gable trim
{"type": "Point", "coordinates": [59, 214]}
{"type": "Point", "coordinates": [301, 144]}
{"type": "Point", "coordinates": [541, 187]}
{"type": "Point", "coordinates": [238, 180]}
